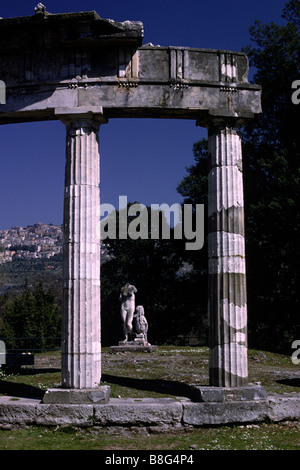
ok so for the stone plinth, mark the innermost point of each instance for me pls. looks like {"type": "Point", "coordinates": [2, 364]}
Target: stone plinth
{"type": "Point", "coordinates": [133, 346]}
{"type": "Point", "coordinates": [225, 394]}
{"type": "Point", "coordinates": [73, 396]}
{"type": "Point", "coordinates": [147, 412]}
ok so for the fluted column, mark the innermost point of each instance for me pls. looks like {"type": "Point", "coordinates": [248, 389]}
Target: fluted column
{"type": "Point", "coordinates": [226, 251]}
{"type": "Point", "coordinates": [81, 329]}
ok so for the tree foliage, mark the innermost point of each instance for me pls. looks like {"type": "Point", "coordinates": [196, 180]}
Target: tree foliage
{"type": "Point", "coordinates": [155, 267]}
{"type": "Point", "coordinates": [272, 184]}
{"type": "Point", "coordinates": [194, 190]}
{"type": "Point", "coordinates": [271, 154]}
{"type": "Point", "coordinates": [30, 320]}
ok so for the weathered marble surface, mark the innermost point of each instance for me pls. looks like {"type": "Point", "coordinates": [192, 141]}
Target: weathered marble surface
{"type": "Point", "coordinates": [227, 264]}
{"type": "Point", "coordinates": [81, 327]}
{"type": "Point", "coordinates": [148, 412]}
{"type": "Point", "coordinates": [141, 324]}
{"type": "Point", "coordinates": [79, 59]}
{"type": "Point", "coordinates": [127, 298]}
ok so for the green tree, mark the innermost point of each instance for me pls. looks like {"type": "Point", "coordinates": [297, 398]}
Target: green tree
{"type": "Point", "coordinates": [271, 153]}
{"type": "Point", "coordinates": [194, 187]}
{"type": "Point", "coordinates": [272, 184]}
{"type": "Point", "coordinates": [194, 190]}
{"type": "Point", "coordinates": [30, 319]}
{"type": "Point", "coordinates": [154, 266]}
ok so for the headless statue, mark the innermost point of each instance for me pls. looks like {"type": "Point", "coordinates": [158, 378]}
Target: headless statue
{"type": "Point", "coordinates": [127, 298]}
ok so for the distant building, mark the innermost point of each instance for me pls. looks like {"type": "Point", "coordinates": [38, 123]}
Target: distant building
{"type": "Point", "coordinates": [32, 242]}
{"type": "Point", "coordinates": [38, 241]}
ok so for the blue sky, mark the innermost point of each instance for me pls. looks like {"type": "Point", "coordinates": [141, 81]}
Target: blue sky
{"type": "Point", "coordinates": [143, 159]}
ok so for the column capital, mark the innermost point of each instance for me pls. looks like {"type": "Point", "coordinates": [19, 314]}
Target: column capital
{"type": "Point", "coordinates": [213, 123]}
{"type": "Point", "coordinates": [81, 113]}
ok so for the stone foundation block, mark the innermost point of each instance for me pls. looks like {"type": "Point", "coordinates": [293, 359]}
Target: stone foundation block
{"type": "Point", "coordinates": [20, 413]}
{"type": "Point", "coordinates": [67, 396]}
{"type": "Point", "coordinates": [64, 415]}
{"type": "Point", "coordinates": [199, 414]}
{"type": "Point", "coordinates": [224, 394]}
{"type": "Point", "coordinates": [135, 412]}
{"type": "Point", "coordinates": [283, 407]}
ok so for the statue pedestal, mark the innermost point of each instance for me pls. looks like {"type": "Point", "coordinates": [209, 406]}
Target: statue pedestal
{"type": "Point", "coordinates": [138, 345]}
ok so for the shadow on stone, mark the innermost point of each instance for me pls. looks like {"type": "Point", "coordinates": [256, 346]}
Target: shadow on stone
{"type": "Point", "coordinates": [167, 387]}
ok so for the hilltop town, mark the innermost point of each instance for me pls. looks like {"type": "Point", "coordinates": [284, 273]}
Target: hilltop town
{"type": "Point", "coordinates": [36, 241]}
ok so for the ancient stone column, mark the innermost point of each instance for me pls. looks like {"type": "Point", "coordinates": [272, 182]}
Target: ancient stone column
{"type": "Point", "coordinates": [226, 252]}
{"type": "Point", "coordinates": [81, 330]}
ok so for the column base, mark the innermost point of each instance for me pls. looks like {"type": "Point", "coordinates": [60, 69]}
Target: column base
{"type": "Point", "coordinates": [224, 394]}
{"type": "Point", "coordinates": [74, 396]}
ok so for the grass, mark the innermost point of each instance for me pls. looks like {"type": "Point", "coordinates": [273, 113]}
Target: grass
{"type": "Point", "coordinates": [284, 436]}
{"type": "Point", "coordinates": [161, 373]}
{"type": "Point", "coordinates": [157, 374]}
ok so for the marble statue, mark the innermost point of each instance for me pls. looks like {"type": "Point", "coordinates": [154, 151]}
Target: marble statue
{"type": "Point", "coordinates": [127, 298]}
{"type": "Point", "coordinates": [140, 324]}
{"type": "Point", "coordinates": [40, 8]}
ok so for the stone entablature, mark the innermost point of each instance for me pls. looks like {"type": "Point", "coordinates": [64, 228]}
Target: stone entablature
{"type": "Point", "coordinates": [80, 59]}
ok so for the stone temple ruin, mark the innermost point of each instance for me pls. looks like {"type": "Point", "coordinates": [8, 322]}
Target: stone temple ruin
{"type": "Point", "coordinates": [84, 71]}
